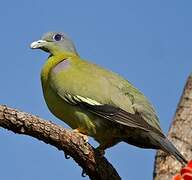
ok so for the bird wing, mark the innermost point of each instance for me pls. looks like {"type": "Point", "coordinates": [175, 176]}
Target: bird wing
{"type": "Point", "coordinates": [105, 94]}
{"type": "Point", "coordinates": [141, 105]}
{"type": "Point", "coordinates": [109, 112]}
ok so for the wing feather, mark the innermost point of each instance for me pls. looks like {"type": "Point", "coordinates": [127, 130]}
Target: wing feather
{"type": "Point", "coordinates": [120, 116]}
{"type": "Point", "coordinates": [111, 113]}
{"type": "Point", "coordinates": [78, 84]}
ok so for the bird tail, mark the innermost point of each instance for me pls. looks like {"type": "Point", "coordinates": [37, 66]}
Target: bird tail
{"type": "Point", "coordinates": [168, 147]}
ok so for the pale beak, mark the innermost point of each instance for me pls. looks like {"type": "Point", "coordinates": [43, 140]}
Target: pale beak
{"type": "Point", "coordinates": [37, 44]}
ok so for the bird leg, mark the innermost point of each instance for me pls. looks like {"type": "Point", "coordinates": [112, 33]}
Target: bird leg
{"type": "Point", "coordinates": [82, 134]}
{"type": "Point", "coordinates": [100, 150]}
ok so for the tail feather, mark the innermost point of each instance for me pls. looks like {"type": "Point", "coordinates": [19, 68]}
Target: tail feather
{"type": "Point", "coordinates": [168, 147]}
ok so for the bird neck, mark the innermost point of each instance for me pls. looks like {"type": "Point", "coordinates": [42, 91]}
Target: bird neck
{"type": "Point", "coordinates": [52, 61]}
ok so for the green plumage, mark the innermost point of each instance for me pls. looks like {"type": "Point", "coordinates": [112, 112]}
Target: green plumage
{"type": "Point", "coordinates": [96, 101]}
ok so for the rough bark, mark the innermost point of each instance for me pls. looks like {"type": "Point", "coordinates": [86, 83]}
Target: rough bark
{"type": "Point", "coordinates": [96, 167]}
{"type": "Point", "coordinates": [180, 133]}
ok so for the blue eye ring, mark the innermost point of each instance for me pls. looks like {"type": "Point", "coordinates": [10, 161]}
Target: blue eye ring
{"type": "Point", "coordinates": [57, 37]}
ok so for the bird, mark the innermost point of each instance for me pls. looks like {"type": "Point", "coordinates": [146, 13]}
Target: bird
{"type": "Point", "coordinates": [97, 102]}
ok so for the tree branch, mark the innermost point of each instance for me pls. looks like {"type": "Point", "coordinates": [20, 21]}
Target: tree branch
{"type": "Point", "coordinates": [180, 134]}
{"type": "Point", "coordinates": [71, 143]}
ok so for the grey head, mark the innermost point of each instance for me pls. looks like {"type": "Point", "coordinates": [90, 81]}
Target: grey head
{"type": "Point", "coordinates": [54, 43]}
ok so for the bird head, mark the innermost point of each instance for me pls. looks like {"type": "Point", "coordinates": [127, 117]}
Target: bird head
{"type": "Point", "coordinates": [54, 43]}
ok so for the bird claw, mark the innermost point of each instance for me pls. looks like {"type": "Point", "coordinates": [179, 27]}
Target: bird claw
{"type": "Point", "coordinates": [85, 137]}
{"type": "Point", "coordinates": [100, 152]}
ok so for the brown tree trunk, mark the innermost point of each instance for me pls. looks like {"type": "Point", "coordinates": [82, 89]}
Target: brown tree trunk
{"type": "Point", "coordinates": [180, 133]}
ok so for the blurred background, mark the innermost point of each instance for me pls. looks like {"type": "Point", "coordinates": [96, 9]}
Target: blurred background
{"type": "Point", "coordinates": [147, 42]}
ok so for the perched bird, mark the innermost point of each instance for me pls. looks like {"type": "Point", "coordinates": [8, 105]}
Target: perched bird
{"type": "Point", "coordinates": [97, 102]}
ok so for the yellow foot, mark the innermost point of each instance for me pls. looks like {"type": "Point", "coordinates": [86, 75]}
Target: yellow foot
{"type": "Point", "coordinates": [85, 137]}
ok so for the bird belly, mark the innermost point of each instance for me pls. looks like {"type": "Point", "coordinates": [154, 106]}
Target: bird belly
{"type": "Point", "coordinates": [100, 129]}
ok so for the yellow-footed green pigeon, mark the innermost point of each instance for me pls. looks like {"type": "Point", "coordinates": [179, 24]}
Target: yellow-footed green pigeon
{"type": "Point", "coordinates": [97, 102]}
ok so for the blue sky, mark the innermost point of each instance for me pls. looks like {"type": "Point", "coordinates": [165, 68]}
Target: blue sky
{"type": "Point", "coordinates": [148, 42]}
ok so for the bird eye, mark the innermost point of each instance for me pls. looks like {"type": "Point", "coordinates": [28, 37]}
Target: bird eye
{"type": "Point", "coordinates": [57, 37]}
